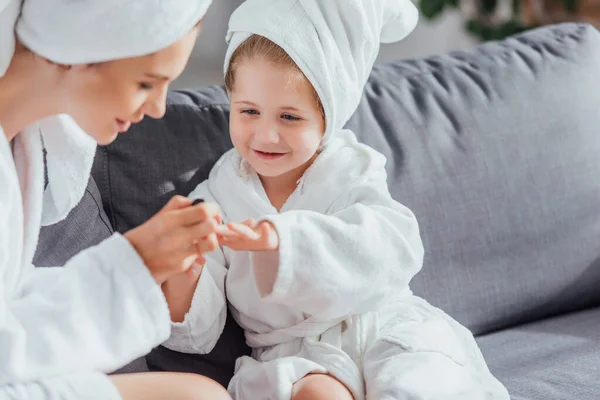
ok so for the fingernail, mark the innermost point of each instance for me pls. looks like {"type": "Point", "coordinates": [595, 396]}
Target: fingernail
{"type": "Point", "coordinates": [197, 201]}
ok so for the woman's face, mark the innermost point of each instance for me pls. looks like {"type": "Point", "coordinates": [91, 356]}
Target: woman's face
{"type": "Point", "coordinates": [106, 98]}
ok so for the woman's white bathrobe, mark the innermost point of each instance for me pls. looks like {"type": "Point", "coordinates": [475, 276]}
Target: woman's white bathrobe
{"type": "Point", "coordinates": [60, 328]}
{"type": "Point", "coordinates": [341, 302]}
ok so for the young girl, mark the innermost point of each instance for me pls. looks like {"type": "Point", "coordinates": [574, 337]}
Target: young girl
{"type": "Point", "coordinates": [321, 283]}
{"type": "Point", "coordinates": [74, 74]}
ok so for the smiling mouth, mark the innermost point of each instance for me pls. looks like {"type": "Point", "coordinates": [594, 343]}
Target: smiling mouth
{"type": "Point", "coordinates": [269, 155]}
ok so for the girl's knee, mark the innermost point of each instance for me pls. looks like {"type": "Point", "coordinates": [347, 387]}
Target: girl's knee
{"type": "Point", "coordinates": [207, 389]}
{"type": "Point", "coordinates": [320, 387]}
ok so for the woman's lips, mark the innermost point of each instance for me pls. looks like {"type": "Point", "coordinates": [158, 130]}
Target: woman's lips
{"type": "Point", "coordinates": [123, 126]}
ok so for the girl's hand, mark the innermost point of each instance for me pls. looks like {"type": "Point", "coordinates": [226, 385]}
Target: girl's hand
{"type": "Point", "coordinates": [249, 236]}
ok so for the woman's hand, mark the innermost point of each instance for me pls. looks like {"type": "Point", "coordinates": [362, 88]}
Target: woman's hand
{"type": "Point", "coordinates": [249, 236]}
{"type": "Point", "coordinates": [176, 237]}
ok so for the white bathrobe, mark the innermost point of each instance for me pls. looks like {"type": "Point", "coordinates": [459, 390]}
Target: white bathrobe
{"type": "Point", "coordinates": [341, 302]}
{"type": "Point", "coordinates": [60, 328]}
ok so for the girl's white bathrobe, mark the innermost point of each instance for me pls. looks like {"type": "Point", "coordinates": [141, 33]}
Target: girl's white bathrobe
{"type": "Point", "coordinates": [341, 302]}
{"type": "Point", "coordinates": [61, 328]}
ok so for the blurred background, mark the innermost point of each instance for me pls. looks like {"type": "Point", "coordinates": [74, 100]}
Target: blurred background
{"type": "Point", "coordinates": [445, 25]}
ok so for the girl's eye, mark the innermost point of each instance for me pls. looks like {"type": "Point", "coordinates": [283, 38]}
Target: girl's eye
{"type": "Point", "coordinates": [289, 117]}
{"type": "Point", "coordinates": [250, 112]}
{"type": "Point", "coordinates": [146, 86]}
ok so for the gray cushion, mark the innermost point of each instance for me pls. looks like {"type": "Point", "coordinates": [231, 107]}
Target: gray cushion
{"type": "Point", "coordinates": [85, 226]}
{"type": "Point", "coordinates": [157, 159]}
{"type": "Point", "coordinates": [554, 359]}
{"type": "Point", "coordinates": [497, 151]}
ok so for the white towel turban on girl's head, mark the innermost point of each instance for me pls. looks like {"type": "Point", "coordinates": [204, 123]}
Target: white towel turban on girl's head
{"type": "Point", "coordinates": [334, 42]}
{"type": "Point", "coordinates": [84, 32]}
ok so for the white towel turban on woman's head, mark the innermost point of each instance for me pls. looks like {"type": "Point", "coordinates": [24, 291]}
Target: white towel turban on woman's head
{"type": "Point", "coordinates": [334, 42]}
{"type": "Point", "coordinates": [90, 31]}
{"type": "Point", "coordinates": [9, 12]}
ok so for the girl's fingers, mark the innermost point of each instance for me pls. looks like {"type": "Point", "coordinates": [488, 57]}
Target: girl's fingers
{"type": "Point", "coordinates": [224, 232]}
{"type": "Point", "coordinates": [244, 231]}
{"type": "Point", "coordinates": [250, 223]}
{"type": "Point", "coordinates": [265, 228]}
{"type": "Point", "coordinates": [224, 241]}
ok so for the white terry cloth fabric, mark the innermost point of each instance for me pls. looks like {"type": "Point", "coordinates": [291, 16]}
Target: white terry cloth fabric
{"type": "Point", "coordinates": [99, 312]}
{"type": "Point", "coordinates": [88, 31]}
{"type": "Point", "coordinates": [76, 386]}
{"type": "Point", "coordinates": [69, 157]}
{"type": "Point", "coordinates": [9, 11]}
{"type": "Point", "coordinates": [335, 43]}
{"type": "Point", "coordinates": [341, 303]}
{"type": "Point", "coordinates": [105, 29]}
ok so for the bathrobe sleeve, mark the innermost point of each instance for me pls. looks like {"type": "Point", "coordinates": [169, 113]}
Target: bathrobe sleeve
{"type": "Point", "coordinates": [354, 260]}
{"type": "Point", "coordinates": [204, 322]}
{"type": "Point", "coordinates": [100, 311]}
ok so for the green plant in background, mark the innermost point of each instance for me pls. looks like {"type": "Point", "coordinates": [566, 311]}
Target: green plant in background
{"type": "Point", "coordinates": [483, 21]}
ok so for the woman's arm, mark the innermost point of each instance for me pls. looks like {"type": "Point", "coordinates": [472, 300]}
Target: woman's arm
{"type": "Point", "coordinates": [99, 312]}
{"type": "Point", "coordinates": [198, 305]}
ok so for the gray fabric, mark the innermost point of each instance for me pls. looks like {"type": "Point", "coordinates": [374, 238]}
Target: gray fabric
{"type": "Point", "coordinates": [157, 159]}
{"type": "Point", "coordinates": [86, 226]}
{"type": "Point", "coordinates": [138, 365]}
{"type": "Point", "coordinates": [497, 150]}
{"type": "Point", "coordinates": [554, 359]}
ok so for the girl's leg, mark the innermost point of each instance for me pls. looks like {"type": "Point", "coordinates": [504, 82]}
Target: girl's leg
{"type": "Point", "coordinates": [320, 387]}
{"type": "Point", "coordinates": [168, 385]}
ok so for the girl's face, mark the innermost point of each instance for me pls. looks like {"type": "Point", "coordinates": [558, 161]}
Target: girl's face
{"type": "Point", "coordinates": [275, 121]}
{"type": "Point", "coordinates": [105, 99]}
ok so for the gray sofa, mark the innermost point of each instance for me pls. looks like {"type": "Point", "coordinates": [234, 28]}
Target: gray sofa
{"type": "Point", "coordinates": [497, 151]}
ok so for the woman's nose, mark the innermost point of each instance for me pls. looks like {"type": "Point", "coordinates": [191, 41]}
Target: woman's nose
{"type": "Point", "coordinates": [156, 105]}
